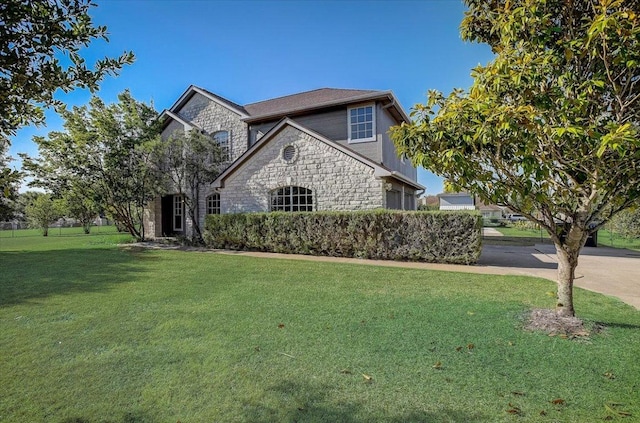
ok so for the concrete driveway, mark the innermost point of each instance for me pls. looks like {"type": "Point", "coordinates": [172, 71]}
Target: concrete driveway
{"type": "Point", "coordinates": [609, 271]}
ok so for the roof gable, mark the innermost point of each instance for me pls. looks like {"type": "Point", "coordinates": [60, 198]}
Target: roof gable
{"type": "Point", "coordinates": [192, 90]}
{"type": "Point", "coordinates": [219, 182]}
{"type": "Point", "coordinates": [379, 171]}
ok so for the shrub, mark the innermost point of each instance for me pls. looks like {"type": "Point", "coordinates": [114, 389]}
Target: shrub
{"type": "Point", "coordinates": [525, 225]}
{"type": "Point", "coordinates": [444, 237]}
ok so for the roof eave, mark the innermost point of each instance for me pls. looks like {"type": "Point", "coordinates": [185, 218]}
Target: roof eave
{"type": "Point", "coordinates": [351, 100]}
{"type": "Point", "coordinates": [186, 96]}
{"type": "Point", "coordinates": [401, 177]}
{"type": "Point", "coordinates": [168, 114]}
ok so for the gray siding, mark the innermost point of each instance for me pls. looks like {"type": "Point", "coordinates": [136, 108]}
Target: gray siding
{"type": "Point", "coordinates": [390, 156]}
{"type": "Point", "coordinates": [400, 196]}
{"type": "Point", "coordinates": [263, 128]}
{"type": "Point", "coordinates": [333, 126]}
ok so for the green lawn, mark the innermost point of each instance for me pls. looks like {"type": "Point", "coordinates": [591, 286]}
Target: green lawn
{"type": "Point", "coordinates": [95, 333]}
{"type": "Point", "coordinates": [53, 232]}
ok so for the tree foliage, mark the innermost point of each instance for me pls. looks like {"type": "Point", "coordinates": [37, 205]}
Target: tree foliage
{"type": "Point", "coordinates": [550, 126]}
{"type": "Point", "coordinates": [189, 162]}
{"type": "Point", "coordinates": [104, 156]}
{"type": "Point", "coordinates": [627, 223]}
{"type": "Point", "coordinates": [82, 203]}
{"type": "Point", "coordinates": [9, 184]}
{"type": "Point", "coordinates": [41, 42]}
{"type": "Point", "coordinates": [43, 211]}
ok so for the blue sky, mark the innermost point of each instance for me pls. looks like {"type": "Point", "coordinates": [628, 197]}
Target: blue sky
{"type": "Point", "coordinates": [248, 51]}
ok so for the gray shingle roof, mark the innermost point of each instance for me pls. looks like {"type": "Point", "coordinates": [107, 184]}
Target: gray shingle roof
{"type": "Point", "coordinates": [305, 100]}
{"type": "Point", "coordinates": [224, 100]}
{"type": "Point", "coordinates": [290, 105]}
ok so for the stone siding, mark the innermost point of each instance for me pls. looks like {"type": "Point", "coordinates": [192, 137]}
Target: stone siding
{"type": "Point", "coordinates": [151, 220]}
{"type": "Point", "coordinates": [338, 181]}
{"type": "Point", "coordinates": [213, 117]}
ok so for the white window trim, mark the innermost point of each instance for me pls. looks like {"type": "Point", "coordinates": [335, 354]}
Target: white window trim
{"type": "Point", "coordinates": [373, 117]}
{"type": "Point", "coordinates": [180, 214]}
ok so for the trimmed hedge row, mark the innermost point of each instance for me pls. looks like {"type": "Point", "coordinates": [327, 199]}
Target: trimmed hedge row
{"type": "Point", "coordinates": [437, 237]}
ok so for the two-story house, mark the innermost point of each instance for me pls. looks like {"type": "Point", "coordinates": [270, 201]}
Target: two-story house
{"type": "Point", "coordinates": [327, 149]}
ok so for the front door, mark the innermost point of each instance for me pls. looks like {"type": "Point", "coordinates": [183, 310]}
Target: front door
{"type": "Point", "coordinates": [172, 215]}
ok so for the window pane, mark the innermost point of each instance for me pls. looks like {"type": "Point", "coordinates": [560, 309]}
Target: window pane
{"type": "Point", "coordinates": [291, 198]}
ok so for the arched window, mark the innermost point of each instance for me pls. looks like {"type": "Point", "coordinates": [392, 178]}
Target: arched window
{"type": "Point", "coordinates": [291, 199]}
{"type": "Point", "coordinates": [213, 204]}
{"type": "Point", "coordinates": [224, 141]}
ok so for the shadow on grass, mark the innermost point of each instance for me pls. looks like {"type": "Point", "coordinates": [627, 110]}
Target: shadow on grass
{"type": "Point", "coordinates": [617, 325]}
{"type": "Point", "coordinates": [32, 275]}
{"type": "Point", "coordinates": [126, 418]}
{"type": "Point", "coordinates": [129, 417]}
{"type": "Point", "coordinates": [311, 406]}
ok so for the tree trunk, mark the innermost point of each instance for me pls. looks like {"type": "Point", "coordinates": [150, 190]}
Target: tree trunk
{"type": "Point", "coordinates": [567, 263]}
{"type": "Point", "coordinates": [568, 251]}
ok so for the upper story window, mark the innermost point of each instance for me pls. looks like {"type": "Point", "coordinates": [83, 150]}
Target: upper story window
{"type": "Point", "coordinates": [291, 199]}
{"type": "Point", "coordinates": [213, 204]}
{"type": "Point", "coordinates": [224, 141]}
{"type": "Point", "coordinates": [362, 125]}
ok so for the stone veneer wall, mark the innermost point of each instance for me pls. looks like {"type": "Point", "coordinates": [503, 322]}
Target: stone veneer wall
{"type": "Point", "coordinates": [212, 117]}
{"type": "Point", "coordinates": [338, 181]}
{"type": "Point", "coordinates": [152, 219]}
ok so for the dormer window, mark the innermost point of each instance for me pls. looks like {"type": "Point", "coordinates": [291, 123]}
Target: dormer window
{"type": "Point", "coordinates": [362, 125]}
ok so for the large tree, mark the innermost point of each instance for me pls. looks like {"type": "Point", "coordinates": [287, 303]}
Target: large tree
{"type": "Point", "coordinates": [550, 126]}
{"type": "Point", "coordinates": [190, 161]}
{"type": "Point", "coordinates": [104, 155]}
{"type": "Point", "coordinates": [40, 53]}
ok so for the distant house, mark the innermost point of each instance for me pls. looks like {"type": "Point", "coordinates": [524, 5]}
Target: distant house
{"type": "Point", "coordinates": [457, 201]}
{"type": "Point", "coordinates": [489, 211]}
{"type": "Point", "coordinates": [327, 149]}
{"type": "Point", "coordinates": [429, 201]}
